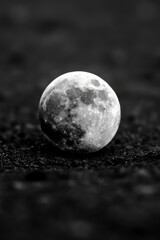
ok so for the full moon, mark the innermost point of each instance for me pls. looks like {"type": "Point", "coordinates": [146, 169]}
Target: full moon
{"type": "Point", "coordinates": [79, 112]}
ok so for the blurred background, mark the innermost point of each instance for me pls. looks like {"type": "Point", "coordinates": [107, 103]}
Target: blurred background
{"type": "Point", "coordinates": [117, 40]}
{"type": "Point", "coordinates": [113, 194]}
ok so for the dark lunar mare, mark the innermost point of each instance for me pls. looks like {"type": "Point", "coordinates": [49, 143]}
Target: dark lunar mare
{"type": "Point", "coordinates": [54, 105]}
{"type": "Point", "coordinates": [95, 82]}
{"type": "Point", "coordinates": [65, 134]}
{"type": "Point", "coordinates": [102, 95]}
{"type": "Point", "coordinates": [85, 96]}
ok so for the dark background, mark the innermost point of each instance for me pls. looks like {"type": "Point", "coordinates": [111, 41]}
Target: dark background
{"type": "Point", "coordinates": [114, 193]}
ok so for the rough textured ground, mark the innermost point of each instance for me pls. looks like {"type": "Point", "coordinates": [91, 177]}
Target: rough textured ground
{"type": "Point", "coordinates": [112, 194]}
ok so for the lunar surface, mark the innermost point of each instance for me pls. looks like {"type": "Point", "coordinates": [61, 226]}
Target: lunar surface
{"type": "Point", "coordinates": [79, 112]}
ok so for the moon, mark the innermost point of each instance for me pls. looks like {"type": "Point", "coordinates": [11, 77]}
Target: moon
{"type": "Point", "coordinates": [79, 112]}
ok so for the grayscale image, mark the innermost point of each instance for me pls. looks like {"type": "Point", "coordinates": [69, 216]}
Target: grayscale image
{"type": "Point", "coordinates": [79, 120]}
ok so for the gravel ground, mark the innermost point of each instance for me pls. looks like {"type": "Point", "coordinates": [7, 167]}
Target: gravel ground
{"type": "Point", "coordinates": [114, 193]}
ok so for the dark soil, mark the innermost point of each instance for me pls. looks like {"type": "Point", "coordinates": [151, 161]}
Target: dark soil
{"type": "Point", "coordinates": [114, 193]}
